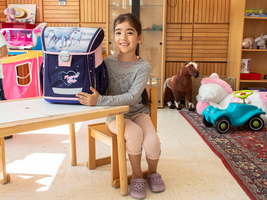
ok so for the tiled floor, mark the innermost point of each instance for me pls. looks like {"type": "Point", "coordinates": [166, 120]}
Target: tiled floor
{"type": "Point", "coordinates": [39, 165]}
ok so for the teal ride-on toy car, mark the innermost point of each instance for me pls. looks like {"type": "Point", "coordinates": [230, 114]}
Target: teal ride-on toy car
{"type": "Point", "coordinates": [236, 114]}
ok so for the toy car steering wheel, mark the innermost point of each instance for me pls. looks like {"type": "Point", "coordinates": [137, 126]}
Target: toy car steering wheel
{"type": "Point", "coordinates": [242, 94]}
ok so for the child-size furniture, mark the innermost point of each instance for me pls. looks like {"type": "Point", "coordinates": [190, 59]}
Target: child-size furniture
{"type": "Point", "coordinates": [30, 114]}
{"type": "Point", "coordinates": [102, 133]}
{"type": "Point", "coordinates": [21, 75]}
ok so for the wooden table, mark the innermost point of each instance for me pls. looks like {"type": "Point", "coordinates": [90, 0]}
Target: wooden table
{"type": "Point", "coordinates": [17, 116]}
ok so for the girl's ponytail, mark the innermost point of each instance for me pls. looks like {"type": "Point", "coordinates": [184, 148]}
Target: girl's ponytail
{"type": "Point", "coordinates": [145, 99]}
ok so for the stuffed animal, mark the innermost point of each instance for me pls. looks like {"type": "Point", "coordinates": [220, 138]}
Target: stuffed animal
{"type": "Point", "coordinates": [218, 93]}
{"type": "Point", "coordinates": [261, 41]}
{"type": "Point", "coordinates": [182, 82]}
{"type": "Point", "coordinates": [10, 14]}
{"type": "Point", "coordinates": [248, 43]}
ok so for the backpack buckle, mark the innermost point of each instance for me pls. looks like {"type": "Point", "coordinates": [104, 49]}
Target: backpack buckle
{"type": "Point", "coordinates": [64, 56]}
{"type": "Point", "coordinates": [64, 59]}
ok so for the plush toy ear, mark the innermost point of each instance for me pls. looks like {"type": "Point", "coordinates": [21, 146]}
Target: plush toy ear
{"type": "Point", "coordinates": [207, 96]}
{"type": "Point", "coordinates": [5, 11]}
{"type": "Point", "coordinates": [214, 75]}
{"type": "Point", "coordinates": [257, 39]}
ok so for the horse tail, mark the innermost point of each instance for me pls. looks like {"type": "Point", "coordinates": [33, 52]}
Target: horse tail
{"type": "Point", "coordinates": [165, 84]}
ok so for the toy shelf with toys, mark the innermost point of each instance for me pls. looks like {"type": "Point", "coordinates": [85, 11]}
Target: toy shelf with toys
{"type": "Point", "coordinates": [247, 40]}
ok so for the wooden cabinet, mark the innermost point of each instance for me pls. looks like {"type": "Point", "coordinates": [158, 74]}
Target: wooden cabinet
{"type": "Point", "coordinates": [153, 18]}
{"type": "Point", "coordinates": [240, 28]}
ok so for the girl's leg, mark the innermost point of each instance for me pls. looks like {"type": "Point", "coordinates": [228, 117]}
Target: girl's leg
{"type": "Point", "coordinates": [151, 145]}
{"type": "Point", "coordinates": [134, 139]}
{"type": "Point", "coordinates": [151, 141]}
{"type": "Point", "coordinates": [135, 161]}
{"type": "Point", "coordinates": [152, 166]}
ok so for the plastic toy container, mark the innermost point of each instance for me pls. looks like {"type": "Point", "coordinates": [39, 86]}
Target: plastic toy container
{"type": "Point", "coordinates": [250, 76]}
{"type": "Point", "coordinates": [23, 38]}
{"type": "Point", "coordinates": [17, 25]}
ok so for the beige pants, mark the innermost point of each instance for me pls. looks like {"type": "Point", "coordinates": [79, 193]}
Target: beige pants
{"type": "Point", "coordinates": [139, 132]}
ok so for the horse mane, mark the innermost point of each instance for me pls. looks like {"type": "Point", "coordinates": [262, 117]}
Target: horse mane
{"type": "Point", "coordinates": [181, 69]}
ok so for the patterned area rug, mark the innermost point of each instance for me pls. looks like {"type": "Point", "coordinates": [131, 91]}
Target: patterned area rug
{"type": "Point", "coordinates": [243, 152]}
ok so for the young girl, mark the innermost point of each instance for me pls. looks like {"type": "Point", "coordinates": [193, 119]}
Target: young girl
{"type": "Point", "coordinates": [127, 79]}
{"type": "Point", "coordinates": [3, 56]}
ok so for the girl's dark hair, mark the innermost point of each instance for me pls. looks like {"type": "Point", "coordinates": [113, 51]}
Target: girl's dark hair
{"type": "Point", "coordinates": [145, 99]}
{"type": "Point", "coordinates": [134, 22]}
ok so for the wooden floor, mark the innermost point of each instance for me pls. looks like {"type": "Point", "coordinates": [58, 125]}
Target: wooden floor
{"type": "Point", "coordinates": [39, 165]}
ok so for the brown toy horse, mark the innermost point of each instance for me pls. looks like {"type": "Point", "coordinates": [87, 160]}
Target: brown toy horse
{"type": "Point", "coordinates": [182, 82]}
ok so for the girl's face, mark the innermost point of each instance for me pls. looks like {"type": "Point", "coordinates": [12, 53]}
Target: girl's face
{"type": "Point", "coordinates": [126, 38]}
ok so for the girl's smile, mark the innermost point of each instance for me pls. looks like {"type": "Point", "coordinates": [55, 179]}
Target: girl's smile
{"type": "Point", "coordinates": [124, 44]}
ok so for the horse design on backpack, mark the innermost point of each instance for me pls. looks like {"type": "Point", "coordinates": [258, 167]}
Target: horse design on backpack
{"type": "Point", "coordinates": [63, 35]}
{"type": "Point", "coordinates": [76, 37]}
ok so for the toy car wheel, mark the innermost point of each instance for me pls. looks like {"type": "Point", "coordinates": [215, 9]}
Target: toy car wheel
{"type": "Point", "coordinates": [255, 123]}
{"type": "Point", "coordinates": [222, 125]}
{"type": "Point", "coordinates": [206, 123]}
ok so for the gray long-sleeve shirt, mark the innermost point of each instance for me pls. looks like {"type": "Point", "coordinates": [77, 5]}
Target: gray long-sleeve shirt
{"type": "Point", "coordinates": [125, 86]}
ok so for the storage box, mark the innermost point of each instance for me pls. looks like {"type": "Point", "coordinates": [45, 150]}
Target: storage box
{"type": "Point", "coordinates": [254, 11]}
{"type": "Point", "coordinates": [245, 63]}
{"type": "Point", "coordinates": [17, 25]}
{"type": "Point", "coordinates": [250, 76]}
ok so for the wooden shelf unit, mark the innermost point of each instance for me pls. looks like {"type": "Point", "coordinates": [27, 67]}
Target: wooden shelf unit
{"type": "Point", "coordinates": [242, 27]}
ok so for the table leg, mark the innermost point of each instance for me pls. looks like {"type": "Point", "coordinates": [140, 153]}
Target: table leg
{"type": "Point", "coordinates": [73, 158]}
{"type": "Point", "coordinates": [4, 177]}
{"type": "Point", "coordinates": [122, 154]}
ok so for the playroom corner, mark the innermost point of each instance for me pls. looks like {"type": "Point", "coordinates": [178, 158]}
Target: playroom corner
{"type": "Point", "coordinates": [207, 94]}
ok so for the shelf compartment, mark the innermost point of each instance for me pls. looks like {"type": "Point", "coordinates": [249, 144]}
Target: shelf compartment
{"type": "Point", "coordinates": [257, 18]}
{"type": "Point", "coordinates": [253, 81]}
{"type": "Point", "coordinates": [255, 50]}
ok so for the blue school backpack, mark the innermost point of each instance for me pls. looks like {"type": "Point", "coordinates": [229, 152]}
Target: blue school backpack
{"type": "Point", "coordinates": [72, 62]}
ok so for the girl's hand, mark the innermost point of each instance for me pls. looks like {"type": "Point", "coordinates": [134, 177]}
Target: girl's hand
{"type": "Point", "coordinates": [88, 99]}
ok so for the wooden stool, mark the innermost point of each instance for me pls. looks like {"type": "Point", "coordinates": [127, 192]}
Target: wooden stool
{"type": "Point", "coordinates": [102, 133]}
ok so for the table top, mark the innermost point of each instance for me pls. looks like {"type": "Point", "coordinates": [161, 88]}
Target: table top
{"type": "Point", "coordinates": [22, 115]}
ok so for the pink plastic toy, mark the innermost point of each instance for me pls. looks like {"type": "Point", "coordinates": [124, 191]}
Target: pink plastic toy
{"type": "Point", "coordinates": [22, 38]}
